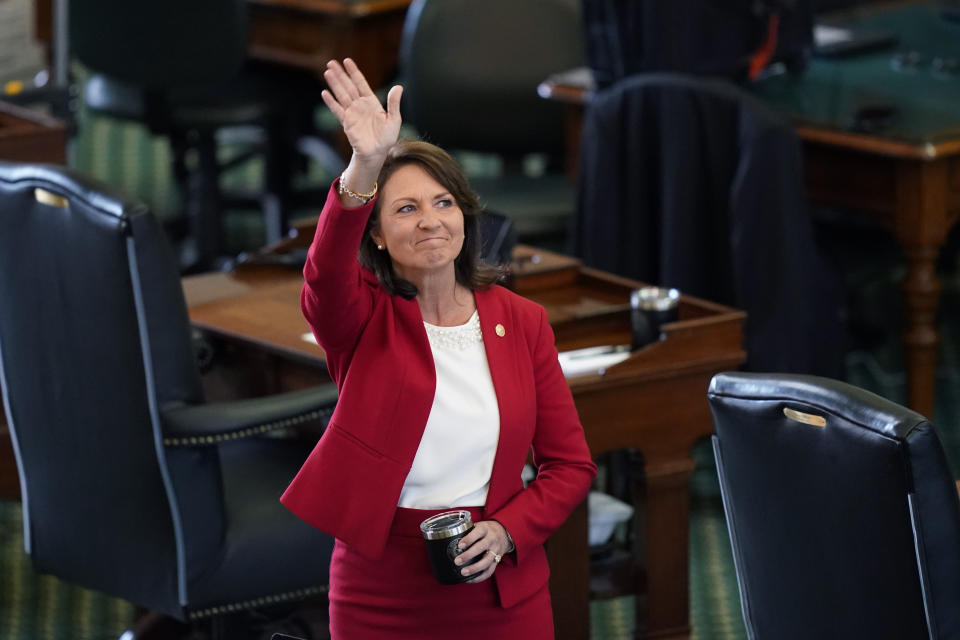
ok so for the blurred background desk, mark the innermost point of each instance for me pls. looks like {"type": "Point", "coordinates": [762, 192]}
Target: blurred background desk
{"type": "Point", "coordinates": [308, 33]}
{"type": "Point", "coordinates": [28, 136]}
{"type": "Point", "coordinates": [881, 135]}
{"type": "Point", "coordinates": [653, 402]}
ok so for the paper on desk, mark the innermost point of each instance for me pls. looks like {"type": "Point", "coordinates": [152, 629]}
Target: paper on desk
{"type": "Point", "coordinates": [579, 77]}
{"type": "Point", "coordinates": [824, 35]}
{"type": "Point", "coordinates": [581, 362]}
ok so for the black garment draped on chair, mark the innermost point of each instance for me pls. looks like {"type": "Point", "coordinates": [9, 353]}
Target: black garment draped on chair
{"type": "Point", "coordinates": [694, 184]}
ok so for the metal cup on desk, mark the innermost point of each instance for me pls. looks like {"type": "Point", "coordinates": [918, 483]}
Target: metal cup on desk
{"type": "Point", "coordinates": [650, 308]}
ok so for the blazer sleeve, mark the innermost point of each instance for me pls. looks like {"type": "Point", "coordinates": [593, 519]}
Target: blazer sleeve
{"type": "Point", "coordinates": [336, 298]}
{"type": "Point", "coordinates": [565, 468]}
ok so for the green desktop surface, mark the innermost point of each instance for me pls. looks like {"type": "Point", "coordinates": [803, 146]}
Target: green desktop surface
{"type": "Point", "coordinates": [908, 92]}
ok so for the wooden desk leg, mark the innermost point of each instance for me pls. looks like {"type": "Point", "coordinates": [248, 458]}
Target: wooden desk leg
{"type": "Point", "coordinates": [568, 553]}
{"type": "Point", "coordinates": [666, 528]}
{"type": "Point", "coordinates": [922, 294]}
{"type": "Point", "coordinates": [921, 226]}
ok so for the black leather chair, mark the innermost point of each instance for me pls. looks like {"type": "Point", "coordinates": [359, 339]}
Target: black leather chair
{"type": "Point", "coordinates": [131, 484]}
{"type": "Point", "coordinates": [180, 68]}
{"type": "Point", "coordinates": [843, 513]}
{"type": "Point", "coordinates": [695, 184]}
{"type": "Point", "coordinates": [470, 72]}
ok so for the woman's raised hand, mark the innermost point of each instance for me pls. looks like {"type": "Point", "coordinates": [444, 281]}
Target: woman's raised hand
{"type": "Point", "coordinates": [369, 128]}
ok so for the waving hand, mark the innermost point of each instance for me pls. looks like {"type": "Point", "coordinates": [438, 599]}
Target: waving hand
{"type": "Point", "coordinates": [369, 128]}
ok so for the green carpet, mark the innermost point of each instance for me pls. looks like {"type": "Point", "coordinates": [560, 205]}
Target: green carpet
{"type": "Point", "coordinates": [35, 607]}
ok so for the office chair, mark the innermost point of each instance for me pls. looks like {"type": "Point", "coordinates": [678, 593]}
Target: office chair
{"type": "Point", "coordinates": [842, 511]}
{"type": "Point", "coordinates": [131, 483]}
{"type": "Point", "coordinates": [179, 68]}
{"type": "Point", "coordinates": [694, 184]}
{"type": "Point", "coordinates": [470, 73]}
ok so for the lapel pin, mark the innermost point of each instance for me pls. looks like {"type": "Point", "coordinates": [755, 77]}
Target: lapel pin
{"type": "Point", "coordinates": [500, 330]}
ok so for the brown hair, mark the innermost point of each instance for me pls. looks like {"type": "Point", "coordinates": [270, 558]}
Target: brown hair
{"type": "Point", "coordinates": [469, 267]}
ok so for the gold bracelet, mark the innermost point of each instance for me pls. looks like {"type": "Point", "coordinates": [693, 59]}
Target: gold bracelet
{"type": "Point", "coordinates": [342, 189]}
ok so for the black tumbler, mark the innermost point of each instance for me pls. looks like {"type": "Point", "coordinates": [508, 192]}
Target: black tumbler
{"type": "Point", "coordinates": [442, 533]}
{"type": "Point", "coordinates": [651, 307]}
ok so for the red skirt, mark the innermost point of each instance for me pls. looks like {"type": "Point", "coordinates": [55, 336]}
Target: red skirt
{"type": "Point", "coordinates": [396, 597]}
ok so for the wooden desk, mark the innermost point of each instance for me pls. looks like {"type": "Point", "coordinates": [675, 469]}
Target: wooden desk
{"type": "Point", "coordinates": [308, 33]}
{"type": "Point", "coordinates": [654, 402]}
{"type": "Point", "coordinates": [907, 174]}
{"type": "Point", "coordinates": [28, 136]}
{"type": "Point", "coordinates": [25, 136]}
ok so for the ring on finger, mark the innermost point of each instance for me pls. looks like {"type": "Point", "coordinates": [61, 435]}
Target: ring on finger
{"type": "Point", "coordinates": [496, 556]}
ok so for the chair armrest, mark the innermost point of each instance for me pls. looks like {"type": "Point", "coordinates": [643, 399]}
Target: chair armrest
{"type": "Point", "coordinates": [212, 423]}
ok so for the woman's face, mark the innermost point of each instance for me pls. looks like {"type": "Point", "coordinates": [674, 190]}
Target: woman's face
{"type": "Point", "coordinates": [421, 225]}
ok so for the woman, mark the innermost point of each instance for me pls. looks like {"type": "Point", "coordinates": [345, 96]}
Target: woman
{"type": "Point", "coordinates": [446, 384]}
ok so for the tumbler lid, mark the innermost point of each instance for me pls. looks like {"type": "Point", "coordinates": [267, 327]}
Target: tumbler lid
{"type": "Point", "coordinates": [446, 525]}
{"type": "Point", "coordinates": [654, 298]}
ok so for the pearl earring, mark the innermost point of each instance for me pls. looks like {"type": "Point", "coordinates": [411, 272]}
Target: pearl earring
{"type": "Point", "coordinates": [380, 247]}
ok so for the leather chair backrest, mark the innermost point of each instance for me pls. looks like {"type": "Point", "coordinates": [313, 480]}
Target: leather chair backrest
{"type": "Point", "coordinates": [498, 238]}
{"type": "Point", "coordinates": [470, 72]}
{"type": "Point", "coordinates": [843, 514]}
{"type": "Point", "coordinates": [93, 343]}
{"type": "Point", "coordinates": [160, 45]}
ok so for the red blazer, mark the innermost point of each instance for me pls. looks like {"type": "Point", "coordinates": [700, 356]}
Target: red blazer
{"type": "Point", "coordinates": [379, 356]}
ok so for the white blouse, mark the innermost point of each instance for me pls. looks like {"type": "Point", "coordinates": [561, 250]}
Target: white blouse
{"type": "Point", "coordinates": [453, 463]}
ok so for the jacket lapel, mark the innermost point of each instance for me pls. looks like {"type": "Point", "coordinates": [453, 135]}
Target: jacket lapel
{"type": "Point", "coordinates": [500, 341]}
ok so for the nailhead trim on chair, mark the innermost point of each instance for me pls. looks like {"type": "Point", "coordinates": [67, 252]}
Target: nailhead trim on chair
{"type": "Point", "coordinates": [299, 594]}
{"type": "Point", "coordinates": [193, 441]}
